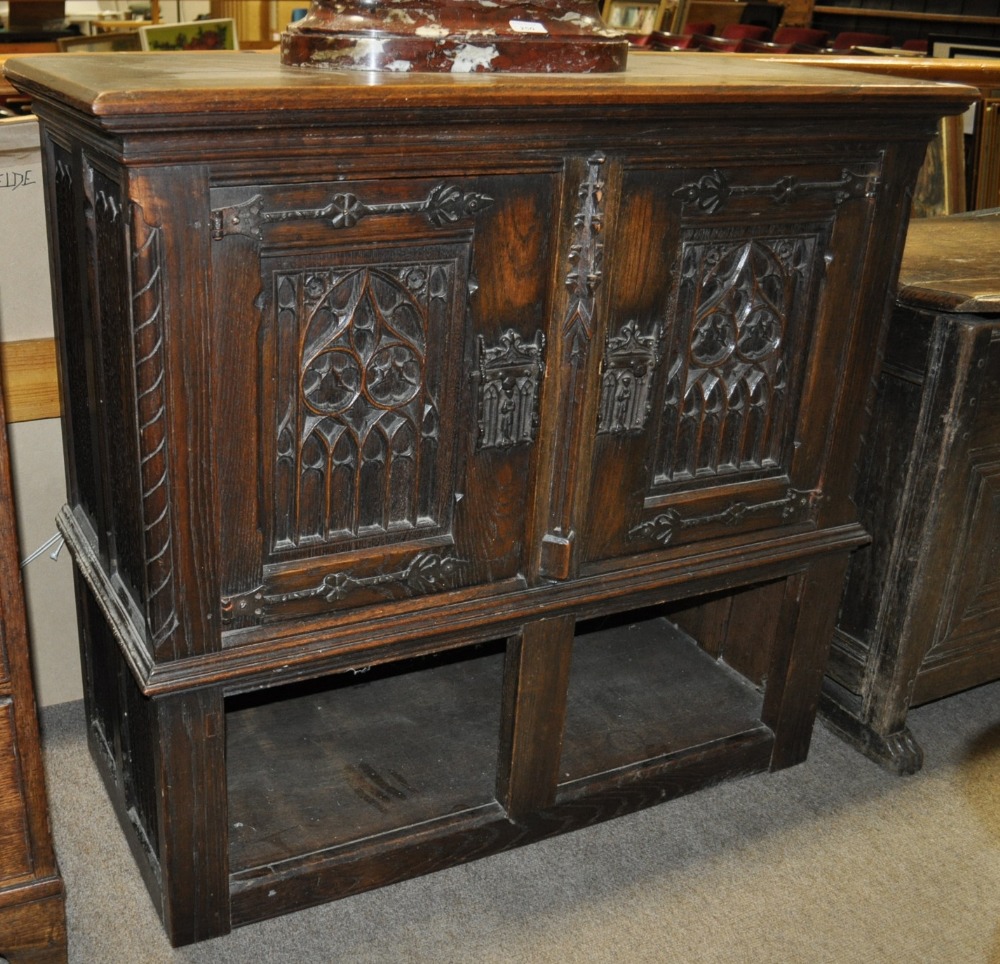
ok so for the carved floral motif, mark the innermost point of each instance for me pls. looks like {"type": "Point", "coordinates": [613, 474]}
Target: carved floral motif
{"type": "Point", "coordinates": [586, 257]}
{"type": "Point", "coordinates": [713, 191]}
{"type": "Point", "coordinates": [664, 526]}
{"type": "Point", "coordinates": [445, 204]}
{"type": "Point", "coordinates": [426, 572]}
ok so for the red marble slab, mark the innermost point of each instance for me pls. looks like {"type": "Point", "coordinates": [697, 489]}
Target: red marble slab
{"type": "Point", "coordinates": [455, 36]}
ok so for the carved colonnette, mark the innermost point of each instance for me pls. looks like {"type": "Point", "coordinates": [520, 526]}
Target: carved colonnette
{"type": "Point", "coordinates": [578, 323]}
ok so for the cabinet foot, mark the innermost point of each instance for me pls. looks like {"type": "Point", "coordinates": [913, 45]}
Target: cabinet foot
{"type": "Point", "coordinates": [897, 752]}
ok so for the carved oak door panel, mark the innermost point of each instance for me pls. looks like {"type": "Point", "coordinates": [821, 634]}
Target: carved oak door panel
{"type": "Point", "coordinates": [391, 365]}
{"type": "Point", "coordinates": [726, 325]}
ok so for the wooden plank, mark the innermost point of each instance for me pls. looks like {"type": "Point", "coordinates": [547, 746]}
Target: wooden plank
{"type": "Point", "coordinates": [882, 14]}
{"type": "Point", "coordinates": [15, 841]}
{"type": "Point", "coordinates": [338, 872]}
{"type": "Point", "coordinates": [323, 764]}
{"type": "Point", "coordinates": [640, 689]}
{"type": "Point", "coordinates": [34, 14]}
{"type": "Point", "coordinates": [953, 265]}
{"type": "Point", "coordinates": [30, 379]}
{"type": "Point", "coordinates": [535, 683]}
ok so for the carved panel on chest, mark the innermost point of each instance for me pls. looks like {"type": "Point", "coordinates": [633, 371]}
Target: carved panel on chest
{"type": "Point", "coordinates": [972, 587]}
{"type": "Point", "coordinates": [740, 308]}
{"type": "Point", "coordinates": [708, 354]}
{"type": "Point", "coordinates": [398, 408]}
{"type": "Point", "coordinates": [359, 355]}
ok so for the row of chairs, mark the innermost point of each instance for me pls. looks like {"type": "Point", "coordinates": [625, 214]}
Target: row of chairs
{"type": "Point", "coordinates": [754, 38]}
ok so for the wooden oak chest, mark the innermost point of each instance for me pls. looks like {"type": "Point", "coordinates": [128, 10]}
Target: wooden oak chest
{"type": "Point", "coordinates": [921, 611]}
{"type": "Point", "coordinates": [454, 461]}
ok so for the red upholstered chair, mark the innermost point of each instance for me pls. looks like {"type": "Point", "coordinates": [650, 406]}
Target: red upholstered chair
{"type": "Point", "coordinates": [759, 47]}
{"type": "Point", "coordinates": [801, 35]}
{"type": "Point", "coordinates": [848, 39]}
{"type": "Point", "coordinates": [745, 31]}
{"type": "Point", "coordinates": [702, 27]}
{"type": "Point", "coordinates": [731, 45]}
{"type": "Point", "coordinates": [661, 40]}
{"type": "Point", "coordinates": [920, 46]}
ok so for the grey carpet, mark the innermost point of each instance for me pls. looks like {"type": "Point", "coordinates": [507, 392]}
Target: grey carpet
{"type": "Point", "coordinates": [831, 862]}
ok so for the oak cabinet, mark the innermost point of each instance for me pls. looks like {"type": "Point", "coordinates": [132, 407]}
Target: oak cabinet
{"type": "Point", "coordinates": [454, 462]}
{"type": "Point", "coordinates": [920, 617]}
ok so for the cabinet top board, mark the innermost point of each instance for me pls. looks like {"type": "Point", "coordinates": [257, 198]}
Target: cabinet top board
{"type": "Point", "coordinates": [137, 84]}
{"type": "Point", "coordinates": [953, 263]}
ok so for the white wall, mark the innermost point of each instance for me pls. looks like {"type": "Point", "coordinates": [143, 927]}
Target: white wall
{"type": "Point", "coordinates": [36, 447]}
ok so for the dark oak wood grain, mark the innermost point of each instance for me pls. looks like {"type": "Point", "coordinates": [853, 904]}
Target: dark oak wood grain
{"type": "Point", "coordinates": [921, 611]}
{"type": "Point", "coordinates": [455, 461]}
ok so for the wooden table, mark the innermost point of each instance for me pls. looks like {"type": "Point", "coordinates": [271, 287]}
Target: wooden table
{"type": "Point", "coordinates": [454, 460]}
{"type": "Point", "coordinates": [921, 612]}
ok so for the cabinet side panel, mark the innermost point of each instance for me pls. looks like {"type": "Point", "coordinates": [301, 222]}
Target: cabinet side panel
{"type": "Point", "coordinates": [15, 852]}
{"type": "Point", "coordinates": [109, 258]}
{"type": "Point", "coordinates": [76, 343]}
{"type": "Point", "coordinates": [885, 460]}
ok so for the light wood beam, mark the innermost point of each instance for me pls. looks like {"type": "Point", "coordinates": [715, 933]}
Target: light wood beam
{"type": "Point", "coordinates": [30, 380]}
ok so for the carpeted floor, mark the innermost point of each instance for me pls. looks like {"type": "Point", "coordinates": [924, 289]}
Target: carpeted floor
{"type": "Point", "coordinates": [832, 862]}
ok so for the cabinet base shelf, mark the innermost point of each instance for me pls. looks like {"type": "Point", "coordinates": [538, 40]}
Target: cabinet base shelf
{"type": "Point", "coordinates": [404, 783]}
{"type": "Point", "coordinates": [321, 877]}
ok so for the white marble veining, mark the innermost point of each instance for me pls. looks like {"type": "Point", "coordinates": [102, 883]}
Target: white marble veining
{"type": "Point", "coordinates": [470, 58]}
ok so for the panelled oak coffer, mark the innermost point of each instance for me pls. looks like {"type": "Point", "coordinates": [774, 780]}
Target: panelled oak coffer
{"type": "Point", "coordinates": [454, 460]}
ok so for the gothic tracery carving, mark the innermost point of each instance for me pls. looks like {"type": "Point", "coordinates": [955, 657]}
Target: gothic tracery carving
{"type": "Point", "coordinates": [726, 385]}
{"type": "Point", "coordinates": [358, 420]}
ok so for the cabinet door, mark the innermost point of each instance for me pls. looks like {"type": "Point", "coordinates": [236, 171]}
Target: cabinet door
{"type": "Point", "coordinates": [730, 310]}
{"type": "Point", "coordinates": [379, 359]}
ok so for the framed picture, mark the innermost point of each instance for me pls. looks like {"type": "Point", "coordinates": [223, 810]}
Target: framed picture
{"type": "Point", "coordinates": [959, 48]}
{"type": "Point", "coordinates": [962, 47]}
{"type": "Point", "coordinates": [101, 42]}
{"type": "Point", "coordinates": [192, 35]}
{"type": "Point", "coordinates": [940, 187]}
{"type": "Point", "coordinates": [632, 17]}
